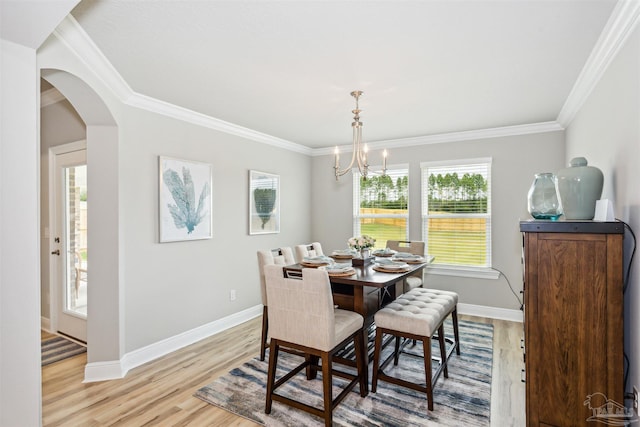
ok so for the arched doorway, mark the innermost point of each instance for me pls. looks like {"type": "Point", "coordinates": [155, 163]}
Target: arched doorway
{"type": "Point", "coordinates": [104, 319]}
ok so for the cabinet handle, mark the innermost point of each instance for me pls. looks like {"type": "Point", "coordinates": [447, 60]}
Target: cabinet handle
{"type": "Point", "coordinates": [522, 343]}
{"type": "Point", "coordinates": [56, 252]}
{"type": "Point", "coordinates": [523, 375]}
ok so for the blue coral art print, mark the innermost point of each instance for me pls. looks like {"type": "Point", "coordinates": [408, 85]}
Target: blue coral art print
{"type": "Point", "coordinates": [185, 200]}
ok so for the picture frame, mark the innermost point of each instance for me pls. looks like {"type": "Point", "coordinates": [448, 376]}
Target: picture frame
{"type": "Point", "coordinates": [264, 203]}
{"type": "Point", "coordinates": [185, 203]}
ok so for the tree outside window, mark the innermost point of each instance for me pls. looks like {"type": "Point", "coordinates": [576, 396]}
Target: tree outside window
{"type": "Point", "coordinates": [457, 212]}
{"type": "Point", "coordinates": [381, 206]}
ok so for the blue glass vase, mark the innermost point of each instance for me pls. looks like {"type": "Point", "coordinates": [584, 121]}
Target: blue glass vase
{"type": "Point", "coordinates": [543, 199]}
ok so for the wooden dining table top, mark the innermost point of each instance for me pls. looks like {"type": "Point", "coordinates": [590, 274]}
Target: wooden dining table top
{"type": "Point", "coordinates": [365, 275]}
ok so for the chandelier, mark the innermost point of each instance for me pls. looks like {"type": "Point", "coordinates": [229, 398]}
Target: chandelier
{"type": "Point", "coordinates": [359, 149]}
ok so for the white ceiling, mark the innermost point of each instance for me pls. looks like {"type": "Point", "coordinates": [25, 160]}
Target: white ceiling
{"type": "Point", "coordinates": [286, 68]}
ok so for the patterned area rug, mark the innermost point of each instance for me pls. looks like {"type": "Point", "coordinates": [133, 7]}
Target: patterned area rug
{"type": "Point", "coordinates": [59, 348]}
{"type": "Point", "coordinates": [463, 399]}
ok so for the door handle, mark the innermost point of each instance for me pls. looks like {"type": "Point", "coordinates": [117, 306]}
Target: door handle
{"type": "Point", "coordinates": [56, 252]}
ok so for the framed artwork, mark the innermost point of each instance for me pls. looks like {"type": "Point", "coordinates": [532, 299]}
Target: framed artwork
{"type": "Point", "coordinates": [184, 200]}
{"type": "Point", "coordinates": [264, 203]}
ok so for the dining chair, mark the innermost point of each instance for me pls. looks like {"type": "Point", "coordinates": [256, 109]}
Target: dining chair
{"type": "Point", "coordinates": [414, 247]}
{"type": "Point", "coordinates": [308, 250]}
{"type": "Point", "coordinates": [279, 256]}
{"type": "Point", "coordinates": [303, 318]}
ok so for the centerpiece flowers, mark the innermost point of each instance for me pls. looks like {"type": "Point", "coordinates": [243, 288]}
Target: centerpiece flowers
{"type": "Point", "coordinates": [362, 243]}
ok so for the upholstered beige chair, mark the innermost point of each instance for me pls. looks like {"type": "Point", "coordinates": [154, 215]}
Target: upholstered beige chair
{"type": "Point", "coordinates": [417, 315]}
{"type": "Point", "coordinates": [412, 247]}
{"type": "Point", "coordinates": [309, 250]}
{"type": "Point", "coordinates": [280, 256]}
{"type": "Point", "coordinates": [302, 317]}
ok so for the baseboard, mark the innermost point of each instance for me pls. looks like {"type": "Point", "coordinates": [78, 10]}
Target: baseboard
{"type": "Point", "coordinates": [45, 324]}
{"type": "Point", "coordinates": [491, 312]}
{"type": "Point", "coordinates": [111, 370]}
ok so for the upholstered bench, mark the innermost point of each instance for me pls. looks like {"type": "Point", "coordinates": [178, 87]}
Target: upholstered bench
{"type": "Point", "coordinates": [416, 315]}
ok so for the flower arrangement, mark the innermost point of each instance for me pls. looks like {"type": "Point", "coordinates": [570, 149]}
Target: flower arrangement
{"type": "Point", "coordinates": [361, 242]}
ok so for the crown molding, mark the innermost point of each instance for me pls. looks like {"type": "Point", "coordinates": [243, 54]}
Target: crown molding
{"type": "Point", "coordinates": [621, 23]}
{"type": "Point", "coordinates": [72, 35]}
{"type": "Point", "coordinates": [527, 129]}
{"type": "Point", "coordinates": [161, 107]}
{"type": "Point", "coordinates": [50, 97]}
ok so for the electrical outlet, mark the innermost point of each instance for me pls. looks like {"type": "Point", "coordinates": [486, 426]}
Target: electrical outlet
{"type": "Point", "coordinates": [232, 295]}
{"type": "Point", "coordinates": [635, 399]}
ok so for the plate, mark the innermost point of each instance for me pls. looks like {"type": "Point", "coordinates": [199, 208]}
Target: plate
{"type": "Point", "coordinates": [342, 273]}
{"type": "Point", "coordinates": [383, 269]}
{"type": "Point", "coordinates": [393, 266]}
{"type": "Point", "coordinates": [313, 264]}
{"type": "Point", "coordinates": [414, 259]}
{"type": "Point", "coordinates": [342, 256]}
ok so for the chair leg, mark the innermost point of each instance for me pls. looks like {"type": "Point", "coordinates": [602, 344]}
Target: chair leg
{"type": "Point", "coordinates": [271, 374]}
{"type": "Point", "coordinates": [312, 363]}
{"type": "Point", "coordinates": [456, 335]}
{"type": "Point", "coordinates": [327, 381]}
{"type": "Point", "coordinates": [376, 360]}
{"type": "Point", "coordinates": [443, 350]}
{"type": "Point", "coordinates": [426, 344]}
{"type": "Point", "coordinates": [396, 354]}
{"type": "Point", "coordinates": [265, 329]}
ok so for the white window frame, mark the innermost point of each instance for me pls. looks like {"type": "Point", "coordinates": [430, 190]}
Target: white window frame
{"type": "Point", "coordinates": [356, 200]}
{"type": "Point", "coordinates": [486, 272]}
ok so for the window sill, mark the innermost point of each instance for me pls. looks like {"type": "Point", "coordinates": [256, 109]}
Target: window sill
{"type": "Point", "coordinates": [477, 273]}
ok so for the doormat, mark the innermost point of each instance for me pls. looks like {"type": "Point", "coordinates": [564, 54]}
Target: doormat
{"type": "Point", "coordinates": [59, 348]}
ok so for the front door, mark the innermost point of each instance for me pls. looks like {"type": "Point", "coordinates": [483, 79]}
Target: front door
{"type": "Point", "coordinates": [69, 246]}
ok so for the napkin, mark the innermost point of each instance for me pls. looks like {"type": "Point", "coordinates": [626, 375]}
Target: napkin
{"type": "Point", "coordinates": [344, 252]}
{"type": "Point", "coordinates": [385, 251]}
{"type": "Point", "coordinates": [393, 266]}
{"type": "Point", "coordinates": [341, 267]}
{"type": "Point", "coordinates": [406, 255]}
{"type": "Point", "coordinates": [320, 259]}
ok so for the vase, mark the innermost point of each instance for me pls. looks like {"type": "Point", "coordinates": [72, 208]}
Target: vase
{"type": "Point", "coordinates": [543, 201]}
{"type": "Point", "coordinates": [579, 186]}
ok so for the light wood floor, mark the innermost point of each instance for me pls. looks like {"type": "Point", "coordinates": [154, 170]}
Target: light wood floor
{"type": "Point", "coordinates": [160, 393]}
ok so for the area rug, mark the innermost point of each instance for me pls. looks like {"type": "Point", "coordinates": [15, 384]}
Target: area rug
{"type": "Point", "coordinates": [59, 348]}
{"type": "Point", "coordinates": [463, 399]}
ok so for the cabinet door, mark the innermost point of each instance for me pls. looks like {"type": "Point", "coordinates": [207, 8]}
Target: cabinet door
{"type": "Point", "coordinates": [574, 324]}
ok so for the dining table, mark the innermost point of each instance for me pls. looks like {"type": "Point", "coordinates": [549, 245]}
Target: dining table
{"type": "Point", "coordinates": [365, 291]}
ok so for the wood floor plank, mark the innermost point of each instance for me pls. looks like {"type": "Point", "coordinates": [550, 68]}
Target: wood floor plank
{"type": "Point", "coordinates": [160, 393]}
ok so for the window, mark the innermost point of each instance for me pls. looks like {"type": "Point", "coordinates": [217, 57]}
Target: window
{"type": "Point", "coordinates": [456, 213]}
{"type": "Point", "coordinates": [380, 205]}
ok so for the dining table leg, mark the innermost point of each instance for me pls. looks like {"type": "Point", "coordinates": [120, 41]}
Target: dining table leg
{"type": "Point", "coordinates": [359, 306]}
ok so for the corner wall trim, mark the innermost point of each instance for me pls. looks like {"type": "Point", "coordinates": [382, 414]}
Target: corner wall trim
{"type": "Point", "coordinates": [491, 312]}
{"type": "Point", "coordinates": [45, 324]}
{"type": "Point", "coordinates": [116, 369]}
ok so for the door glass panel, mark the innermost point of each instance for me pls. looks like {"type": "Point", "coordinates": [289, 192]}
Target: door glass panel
{"type": "Point", "coordinates": [76, 240]}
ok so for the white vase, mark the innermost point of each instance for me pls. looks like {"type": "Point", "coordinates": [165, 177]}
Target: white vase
{"type": "Point", "coordinates": [580, 186]}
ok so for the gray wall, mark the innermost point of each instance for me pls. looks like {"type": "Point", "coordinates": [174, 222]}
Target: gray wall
{"type": "Point", "coordinates": [174, 287]}
{"type": "Point", "coordinates": [607, 132]}
{"type": "Point", "coordinates": [515, 161]}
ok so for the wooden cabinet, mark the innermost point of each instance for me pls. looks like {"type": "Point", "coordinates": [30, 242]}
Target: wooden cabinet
{"type": "Point", "coordinates": [573, 302]}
